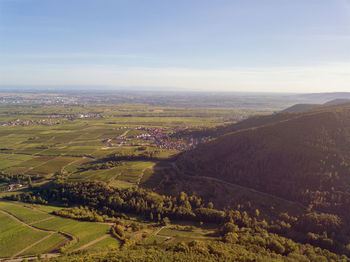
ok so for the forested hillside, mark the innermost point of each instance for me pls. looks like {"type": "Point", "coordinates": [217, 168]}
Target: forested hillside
{"type": "Point", "coordinates": [302, 157]}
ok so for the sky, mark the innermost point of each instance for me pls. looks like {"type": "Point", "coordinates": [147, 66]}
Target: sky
{"type": "Point", "coordinates": [209, 45]}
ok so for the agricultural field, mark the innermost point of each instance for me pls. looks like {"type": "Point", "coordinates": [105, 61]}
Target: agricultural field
{"type": "Point", "coordinates": [31, 229]}
{"type": "Point", "coordinates": [174, 232]}
{"type": "Point", "coordinates": [123, 146]}
{"type": "Point", "coordinates": [28, 230]}
{"type": "Point", "coordinates": [15, 236]}
{"type": "Point", "coordinates": [130, 172]}
{"type": "Point", "coordinates": [39, 143]}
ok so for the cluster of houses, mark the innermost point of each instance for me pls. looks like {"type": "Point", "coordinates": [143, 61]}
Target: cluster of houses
{"type": "Point", "coordinates": [89, 115]}
{"type": "Point", "coordinates": [49, 121]}
{"type": "Point", "coordinates": [14, 186]}
{"type": "Point", "coordinates": [18, 122]}
{"type": "Point", "coordinates": [160, 136]}
{"type": "Point", "coordinates": [75, 116]}
{"type": "Point", "coordinates": [164, 141]}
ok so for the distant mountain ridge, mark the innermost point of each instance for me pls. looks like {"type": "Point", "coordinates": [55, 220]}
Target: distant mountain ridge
{"type": "Point", "coordinates": [304, 107]}
{"type": "Point", "coordinates": [321, 98]}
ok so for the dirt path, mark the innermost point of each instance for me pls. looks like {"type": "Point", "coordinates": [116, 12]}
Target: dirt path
{"type": "Point", "coordinates": [168, 238]}
{"type": "Point", "coordinates": [38, 153]}
{"type": "Point", "coordinates": [91, 243]}
{"type": "Point", "coordinates": [71, 163]}
{"type": "Point", "coordinates": [26, 224]}
{"type": "Point", "coordinates": [25, 206]}
{"type": "Point", "coordinates": [44, 238]}
{"type": "Point", "coordinates": [77, 142]}
{"type": "Point", "coordinates": [35, 222]}
{"type": "Point", "coordinates": [250, 189]}
{"type": "Point", "coordinates": [258, 192]}
{"type": "Point", "coordinates": [32, 245]}
{"type": "Point", "coordinates": [160, 229]}
{"type": "Point", "coordinates": [125, 133]}
{"type": "Point", "coordinates": [242, 187]}
{"type": "Point", "coordinates": [32, 167]}
{"type": "Point", "coordinates": [142, 173]}
{"type": "Point", "coordinates": [34, 228]}
{"type": "Point", "coordinates": [19, 259]}
{"type": "Point", "coordinates": [114, 178]}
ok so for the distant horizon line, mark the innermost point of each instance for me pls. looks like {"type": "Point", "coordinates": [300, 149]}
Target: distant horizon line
{"type": "Point", "coordinates": [109, 89]}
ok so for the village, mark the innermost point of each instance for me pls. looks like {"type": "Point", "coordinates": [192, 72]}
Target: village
{"type": "Point", "coordinates": [160, 136]}
{"type": "Point", "coordinates": [17, 122]}
{"type": "Point", "coordinates": [76, 116]}
{"type": "Point", "coordinates": [49, 120]}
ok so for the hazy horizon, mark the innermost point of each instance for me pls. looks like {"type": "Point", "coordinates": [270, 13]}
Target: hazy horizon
{"type": "Point", "coordinates": [241, 46]}
{"type": "Point", "coordinates": [103, 90]}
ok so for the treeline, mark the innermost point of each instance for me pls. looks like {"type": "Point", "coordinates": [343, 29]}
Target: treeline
{"type": "Point", "coordinates": [84, 214]}
{"type": "Point", "coordinates": [18, 178]}
{"type": "Point", "coordinates": [134, 156]}
{"type": "Point", "coordinates": [103, 202]}
{"type": "Point", "coordinates": [112, 201]}
{"type": "Point", "coordinates": [101, 164]}
{"type": "Point", "coordinates": [247, 246]}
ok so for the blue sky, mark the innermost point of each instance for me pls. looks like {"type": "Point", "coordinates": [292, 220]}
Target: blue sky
{"type": "Point", "coordinates": [231, 45]}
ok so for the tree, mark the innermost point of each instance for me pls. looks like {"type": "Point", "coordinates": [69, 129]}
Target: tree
{"type": "Point", "coordinates": [30, 182]}
{"type": "Point", "coordinates": [257, 212]}
{"type": "Point", "coordinates": [166, 221]}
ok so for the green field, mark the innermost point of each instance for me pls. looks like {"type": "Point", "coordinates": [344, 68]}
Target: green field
{"type": "Point", "coordinates": [15, 236]}
{"type": "Point", "coordinates": [84, 231]}
{"type": "Point", "coordinates": [129, 172]}
{"type": "Point", "coordinates": [23, 213]}
{"type": "Point", "coordinates": [107, 243]}
{"type": "Point", "coordinates": [181, 233]}
{"type": "Point", "coordinates": [51, 244]}
{"type": "Point", "coordinates": [41, 151]}
{"type": "Point", "coordinates": [13, 231]}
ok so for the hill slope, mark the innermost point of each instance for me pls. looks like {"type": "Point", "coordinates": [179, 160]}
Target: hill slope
{"type": "Point", "coordinates": [301, 107]}
{"type": "Point", "coordinates": [305, 107]}
{"type": "Point", "coordinates": [303, 157]}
